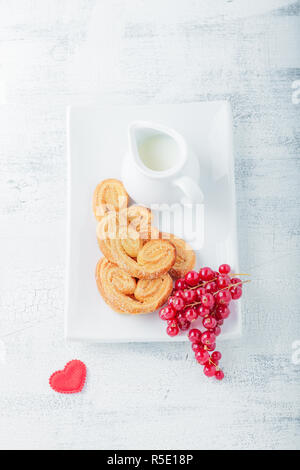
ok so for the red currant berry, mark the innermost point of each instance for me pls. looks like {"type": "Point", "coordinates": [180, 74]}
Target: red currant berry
{"type": "Point", "coordinates": [219, 375]}
{"type": "Point", "coordinates": [235, 280]}
{"type": "Point", "coordinates": [203, 311]}
{"type": "Point", "coordinates": [223, 297]}
{"type": "Point", "coordinates": [220, 321]}
{"type": "Point", "coordinates": [216, 356]}
{"type": "Point", "coordinates": [208, 300]}
{"type": "Point", "coordinates": [222, 312]}
{"type": "Point", "coordinates": [224, 269]}
{"type": "Point", "coordinates": [191, 314]}
{"type": "Point", "coordinates": [195, 335]}
{"type": "Point", "coordinates": [223, 281]}
{"type": "Point", "coordinates": [172, 330]}
{"type": "Point", "coordinates": [206, 274]}
{"type": "Point", "coordinates": [199, 292]}
{"type": "Point", "coordinates": [189, 296]}
{"type": "Point", "coordinates": [208, 338]}
{"type": "Point", "coordinates": [178, 303]}
{"type": "Point", "coordinates": [178, 293]}
{"type": "Point", "coordinates": [167, 313]}
{"type": "Point", "coordinates": [211, 288]}
{"type": "Point", "coordinates": [209, 370]}
{"type": "Point", "coordinates": [180, 284]}
{"type": "Point", "coordinates": [216, 330]}
{"type": "Point", "coordinates": [202, 356]}
{"type": "Point", "coordinates": [181, 315]}
{"type": "Point", "coordinates": [194, 295]}
{"type": "Point", "coordinates": [209, 322]}
{"type": "Point", "coordinates": [236, 292]}
{"type": "Point", "coordinates": [161, 313]}
{"type": "Point", "coordinates": [183, 324]}
{"type": "Point", "coordinates": [197, 347]}
{"type": "Point", "coordinates": [192, 278]}
{"type": "Point", "coordinates": [210, 347]}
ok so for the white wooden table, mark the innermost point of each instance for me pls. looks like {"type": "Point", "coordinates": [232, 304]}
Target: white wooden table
{"type": "Point", "coordinates": [59, 52]}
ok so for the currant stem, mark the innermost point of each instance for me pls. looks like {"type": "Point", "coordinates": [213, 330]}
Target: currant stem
{"type": "Point", "coordinates": [203, 283]}
{"type": "Point", "coordinates": [225, 288]}
{"type": "Point", "coordinates": [231, 285]}
{"type": "Point", "coordinates": [217, 367]}
{"type": "Point", "coordinates": [239, 274]}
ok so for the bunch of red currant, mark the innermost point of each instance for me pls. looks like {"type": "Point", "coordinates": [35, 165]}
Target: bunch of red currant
{"type": "Point", "coordinates": [205, 294]}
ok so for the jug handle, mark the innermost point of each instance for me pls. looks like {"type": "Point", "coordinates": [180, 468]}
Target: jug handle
{"type": "Point", "coordinates": [190, 188]}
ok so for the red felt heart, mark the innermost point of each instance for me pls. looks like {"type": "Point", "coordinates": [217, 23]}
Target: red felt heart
{"type": "Point", "coordinates": [69, 380]}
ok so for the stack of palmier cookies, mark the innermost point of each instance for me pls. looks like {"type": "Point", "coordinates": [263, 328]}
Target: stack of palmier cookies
{"type": "Point", "coordinates": [135, 275]}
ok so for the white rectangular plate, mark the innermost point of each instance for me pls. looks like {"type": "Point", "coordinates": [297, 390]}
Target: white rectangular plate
{"type": "Point", "coordinates": [97, 141]}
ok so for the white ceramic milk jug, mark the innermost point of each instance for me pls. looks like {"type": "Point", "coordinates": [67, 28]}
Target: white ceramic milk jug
{"type": "Point", "coordinates": [159, 168]}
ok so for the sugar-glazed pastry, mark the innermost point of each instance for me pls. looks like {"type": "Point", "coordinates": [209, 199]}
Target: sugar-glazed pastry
{"type": "Point", "coordinates": [132, 225]}
{"type": "Point", "coordinates": [139, 218]}
{"type": "Point", "coordinates": [124, 294]}
{"type": "Point", "coordinates": [132, 250]}
{"type": "Point", "coordinates": [109, 195]}
{"type": "Point", "coordinates": [185, 256]}
{"type": "Point", "coordinates": [107, 229]}
{"type": "Point", "coordinates": [125, 226]}
{"type": "Point", "coordinates": [152, 260]}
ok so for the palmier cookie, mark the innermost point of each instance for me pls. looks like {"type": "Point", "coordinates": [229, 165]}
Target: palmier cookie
{"type": "Point", "coordinates": [154, 258]}
{"type": "Point", "coordinates": [185, 256]}
{"type": "Point", "coordinates": [139, 218]}
{"type": "Point", "coordinates": [132, 226]}
{"type": "Point", "coordinates": [138, 257]}
{"type": "Point", "coordinates": [126, 295]}
{"type": "Point", "coordinates": [109, 195]}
